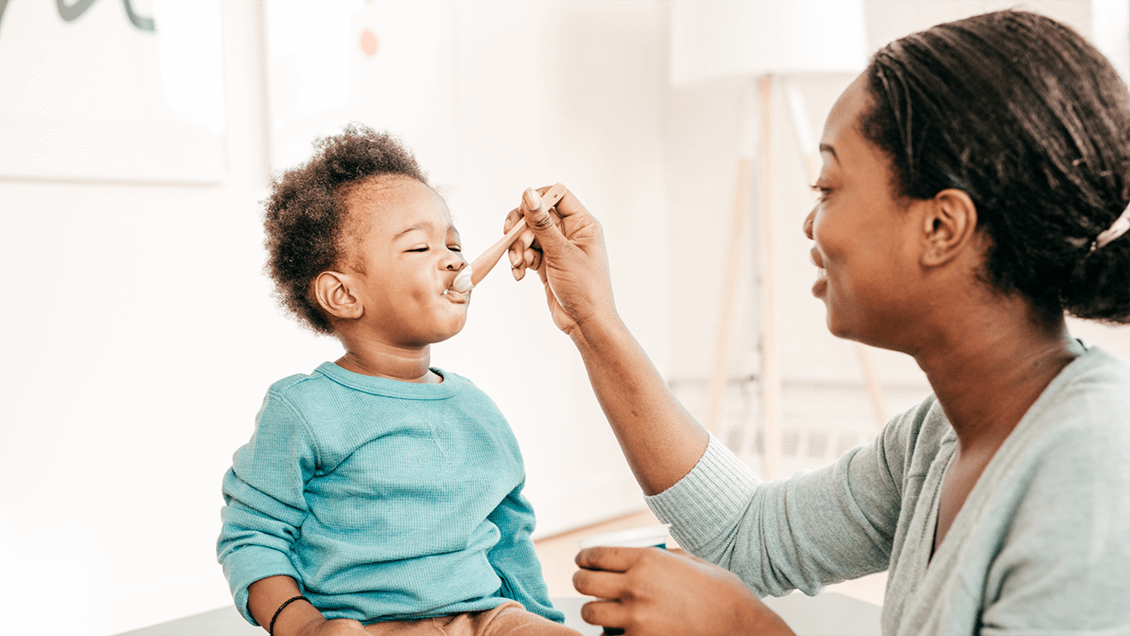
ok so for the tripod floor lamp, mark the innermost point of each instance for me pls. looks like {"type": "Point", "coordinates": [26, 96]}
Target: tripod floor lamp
{"type": "Point", "coordinates": [760, 41]}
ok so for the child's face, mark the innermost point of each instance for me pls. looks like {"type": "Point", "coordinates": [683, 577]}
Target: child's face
{"type": "Point", "coordinates": [405, 253]}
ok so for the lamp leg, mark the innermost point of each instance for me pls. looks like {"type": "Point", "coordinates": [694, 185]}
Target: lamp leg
{"type": "Point", "coordinates": [729, 293]}
{"type": "Point", "coordinates": [770, 352]}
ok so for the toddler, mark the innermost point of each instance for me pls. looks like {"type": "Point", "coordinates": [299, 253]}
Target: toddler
{"type": "Point", "coordinates": [378, 494]}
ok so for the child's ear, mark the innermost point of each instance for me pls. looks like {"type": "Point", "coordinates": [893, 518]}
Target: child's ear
{"type": "Point", "coordinates": [949, 226]}
{"type": "Point", "coordinates": [335, 296]}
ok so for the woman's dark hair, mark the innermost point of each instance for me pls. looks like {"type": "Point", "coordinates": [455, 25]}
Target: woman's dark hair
{"type": "Point", "coordinates": [1033, 123]}
{"type": "Point", "coordinates": [306, 216]}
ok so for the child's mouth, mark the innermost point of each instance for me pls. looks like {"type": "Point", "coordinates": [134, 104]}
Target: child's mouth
{"type": "Point", "coordinates": [456, 296]}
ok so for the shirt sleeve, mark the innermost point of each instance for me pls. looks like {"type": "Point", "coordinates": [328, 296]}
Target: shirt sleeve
{"type": "Point", "coordinates": [799, 533]}
{"type": "Point", "coordinates": [264, 500]}
{"type": "Point", "coordinates": [514, 558]}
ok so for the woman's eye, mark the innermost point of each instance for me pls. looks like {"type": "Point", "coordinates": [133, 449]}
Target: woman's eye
{"type": "Point", "coordinates": [419, 249]}
{"type": "Point", "coordinates": [821, 192]}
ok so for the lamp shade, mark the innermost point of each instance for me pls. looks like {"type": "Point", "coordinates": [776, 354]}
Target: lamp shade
{"type": "Point", "coordinates": [713, 40]}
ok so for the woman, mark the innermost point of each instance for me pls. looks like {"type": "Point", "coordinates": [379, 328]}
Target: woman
{"type": "Point", "coordinates": [975, 187]}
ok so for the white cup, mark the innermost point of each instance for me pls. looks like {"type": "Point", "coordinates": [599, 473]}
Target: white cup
{"type": "Point", "coordinates": [645, 537]}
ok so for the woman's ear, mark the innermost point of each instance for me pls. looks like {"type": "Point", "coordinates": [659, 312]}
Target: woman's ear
{"type": "Point", "coordinates": [335, 296]}
{"type": "Point", "coordinates": [949, 226]}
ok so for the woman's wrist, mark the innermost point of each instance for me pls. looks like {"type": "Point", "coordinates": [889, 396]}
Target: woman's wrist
{"type": "Point", "coordinates": [598, 328]}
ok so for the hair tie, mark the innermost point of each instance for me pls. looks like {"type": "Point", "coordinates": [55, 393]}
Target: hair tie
{"type": "Point", "coordinates": [1116, 229]}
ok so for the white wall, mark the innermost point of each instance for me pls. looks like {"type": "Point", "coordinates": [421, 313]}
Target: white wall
{"type": "Point", "coordinates": [823, 393]}
{"type": "Point", "coordinates": [139, 336]}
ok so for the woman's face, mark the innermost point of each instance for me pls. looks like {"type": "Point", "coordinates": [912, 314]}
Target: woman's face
{"type": "Point", "coordinates": [864, 236]}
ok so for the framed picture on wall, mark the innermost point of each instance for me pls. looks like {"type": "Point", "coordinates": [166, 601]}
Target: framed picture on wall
{"type": "Point", "coordinates": [386, 64]}
{"type": "Point", "coordinates": [112, 90]}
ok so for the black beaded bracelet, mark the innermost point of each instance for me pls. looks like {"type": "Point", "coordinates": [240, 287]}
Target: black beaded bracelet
{"type": "Point", "coordinates": [271, 629]}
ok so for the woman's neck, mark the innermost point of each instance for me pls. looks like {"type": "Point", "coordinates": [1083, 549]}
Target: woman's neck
{"type": "Point", "coordinates": [988, 370]}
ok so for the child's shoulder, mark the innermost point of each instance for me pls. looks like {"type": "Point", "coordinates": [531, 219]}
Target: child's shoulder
{"type": "Point", "coordinates": [299, 385]}
{"type": "Point", "coordinates": [285, 385]}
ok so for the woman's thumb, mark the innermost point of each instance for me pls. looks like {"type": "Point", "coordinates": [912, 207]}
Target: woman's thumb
{"type": "Point", "coordinates": [541, 222]}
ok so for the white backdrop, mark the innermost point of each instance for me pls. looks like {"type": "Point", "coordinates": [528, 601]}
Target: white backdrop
{"type": "Point", "coordinates": [139, 335]}
{"type": "Point", "coordinates": [97, 97]}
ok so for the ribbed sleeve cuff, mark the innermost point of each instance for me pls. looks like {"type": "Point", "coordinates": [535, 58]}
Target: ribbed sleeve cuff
{"type": "Point", "coordinates": [247, 565]}
{"type": "Point", "coordinates": [708, 499]}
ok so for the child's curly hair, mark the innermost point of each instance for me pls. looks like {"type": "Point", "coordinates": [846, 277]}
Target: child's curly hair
{"type": "Point", "coordinates": [305, 215]}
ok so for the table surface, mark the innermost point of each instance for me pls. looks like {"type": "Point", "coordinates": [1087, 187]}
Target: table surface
{"type": "Point", "coordinates": [828, 613]}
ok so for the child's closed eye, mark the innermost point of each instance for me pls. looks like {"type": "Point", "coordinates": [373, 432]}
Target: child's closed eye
{"type": "Point", "coordinates": [424, 248]}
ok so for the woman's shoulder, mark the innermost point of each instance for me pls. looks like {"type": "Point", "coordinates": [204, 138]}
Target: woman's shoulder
{"type": "Point", "coordinates": [1090, 399]}
{"type": "Point", "coordinates": [1078, 431]}
{"type": "Point", "coordinates": [913, 439]}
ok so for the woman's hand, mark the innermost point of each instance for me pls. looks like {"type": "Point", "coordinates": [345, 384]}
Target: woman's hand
{"type": "Point", "coordinates": [566, 248]}
{"type": "Point", "coordinates": [652, 592]}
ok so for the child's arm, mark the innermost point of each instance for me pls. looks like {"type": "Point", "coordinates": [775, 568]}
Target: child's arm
{"type": "Point", "coordinates": [299, 618]}
{"type": "Point", "coordinates": [515, 560]}
{"type": "Point", "coordinates": [266, 504]}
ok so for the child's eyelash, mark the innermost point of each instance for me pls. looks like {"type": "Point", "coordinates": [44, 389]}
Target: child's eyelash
{"type": "Point", "coordinates": [453, 248]}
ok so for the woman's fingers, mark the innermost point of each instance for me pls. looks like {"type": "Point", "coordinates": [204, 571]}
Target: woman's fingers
{"type": "Point", "coordinates": [524, 252]}
{"type": "Point", "coordinates": [515, 253]}
{"type": "Point", "coordinates": [609, 558]}
{"type": "Point", "coordinates": [606, 585]}
{"type": "Point", "coordinates": [604, 613]}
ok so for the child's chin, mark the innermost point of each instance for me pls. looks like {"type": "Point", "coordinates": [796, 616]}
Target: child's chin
{"type": "Point", "coordinates": [452, 332]}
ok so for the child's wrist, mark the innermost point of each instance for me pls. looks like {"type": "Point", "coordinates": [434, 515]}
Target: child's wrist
{"type": "Point", "coordinates": [310, 627]}
{"type": "Point", "coordinates": [296, 617]}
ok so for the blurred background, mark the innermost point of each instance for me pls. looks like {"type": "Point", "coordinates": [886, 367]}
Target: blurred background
{"type": "Point", "coordinates": [137, 140]}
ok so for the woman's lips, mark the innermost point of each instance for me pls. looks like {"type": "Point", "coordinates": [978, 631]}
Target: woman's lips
{"type": "Point", "coordinates": [816, 260]}
{"type": "Point", "coordinates": [821, 276]}
{"type": "Point", "coordinates": [821, 282]}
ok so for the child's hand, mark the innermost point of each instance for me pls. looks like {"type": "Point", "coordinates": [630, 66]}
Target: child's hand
{"type": "Point", "coordinates": [334, 627]}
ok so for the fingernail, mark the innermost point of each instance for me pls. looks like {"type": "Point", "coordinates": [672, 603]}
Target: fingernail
{"type": "Point", "coordinates": [514, 272]}
{"type": "Point", "coordinates": [514, 259]}
{"type": "Point", "coordinates": [532, 199]}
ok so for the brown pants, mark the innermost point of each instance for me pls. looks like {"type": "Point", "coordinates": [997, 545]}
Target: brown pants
{"type": "Point", "coordinates": [508, 619]}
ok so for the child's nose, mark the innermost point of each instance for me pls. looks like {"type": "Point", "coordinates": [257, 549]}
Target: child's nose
{"type": "Point", "coordinates": [454, 261]}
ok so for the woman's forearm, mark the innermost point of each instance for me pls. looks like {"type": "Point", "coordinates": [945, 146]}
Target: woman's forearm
{"type": "Point", "coordinates": [660, 440]}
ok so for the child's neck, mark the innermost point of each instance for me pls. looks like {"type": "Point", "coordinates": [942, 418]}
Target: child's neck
{"type": "Point", "coordinates": [388, 361]}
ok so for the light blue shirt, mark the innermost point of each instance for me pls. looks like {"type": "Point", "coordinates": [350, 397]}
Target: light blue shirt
{"type": "Point", "coordinates": [384, 500]}
{"type": "Point", "coordinates": [1041, 546]}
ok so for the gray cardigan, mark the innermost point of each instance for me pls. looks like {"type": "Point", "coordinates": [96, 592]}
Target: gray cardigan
{"type": "Point", "coordinates": [1040, 547]}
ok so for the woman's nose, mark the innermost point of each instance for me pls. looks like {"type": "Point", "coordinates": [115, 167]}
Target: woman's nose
{"type": "Point", "coordinates": [808, 221]}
